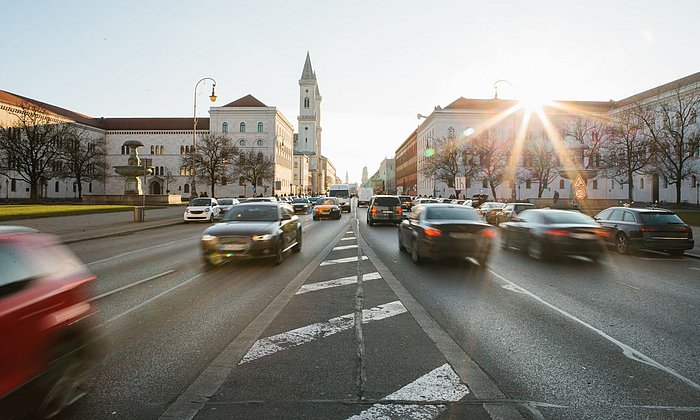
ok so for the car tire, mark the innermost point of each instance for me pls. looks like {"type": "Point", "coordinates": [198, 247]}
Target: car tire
{"type": "Point", "coordinates": [483, 260]}
{"type": "Point", "coordinates": [676, 252]}
{"type": "Point", "coordinates": [213, 259]}
{"type": "Point", "coordinates": [65, 381]}
{"type": "Point", "coordinates": [415, 252]}
{"type": "Point", "coordinates": [297, 247]}
{"type": "Point", "coordinates": [622, 244]}
{"type": "Point", "coordinates": [279, 256]}
{"type": "Point", "coordinates": [370, 222]}
{"type": "Point", "coordinates": [315, 218]}
{"type": "Point", "coordinates": [535, 249]}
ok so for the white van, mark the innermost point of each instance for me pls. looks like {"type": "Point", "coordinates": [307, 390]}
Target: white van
{"type": "Point", "coordinates": [342, 193]}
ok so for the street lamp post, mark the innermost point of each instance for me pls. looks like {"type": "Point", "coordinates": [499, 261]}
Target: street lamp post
{"type": "Point", "coordinates": [212, 97]}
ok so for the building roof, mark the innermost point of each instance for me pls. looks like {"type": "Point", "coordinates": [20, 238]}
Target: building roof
{"type": "Point", "coordinates": [659, 90]}
{"type": "Point", "coordinates": [17, 100]}
{"type": "Point", "coordinates": [308, 72]}
{"type": "Point", "coordinates": [503, 104]}
{"type": "Point", "coordinates": [248, 101]}
{"type": "Point", "coordinates": [411, 138]}
{"type": "Point", "coordinates": [123, 124]}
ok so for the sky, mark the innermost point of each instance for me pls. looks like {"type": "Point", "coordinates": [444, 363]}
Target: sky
{"type": "Point", "coordinates": [378, 63]}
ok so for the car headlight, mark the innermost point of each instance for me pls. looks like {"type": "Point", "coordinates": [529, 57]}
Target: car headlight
{"type": "Point", "coordinates": [207, 237]}
{"type": "Point", "coordinates": [263, 237]}
{"type": "Point", "coordinates": [206, 209]}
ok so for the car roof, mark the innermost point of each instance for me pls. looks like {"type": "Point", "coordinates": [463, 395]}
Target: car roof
{"type": "Point", "coordinates": [641, 210]}
{"type": "Point", "coordinates": [527, 204]}
{"type": "Point", "coordinates": [260, 203]}
{"type": "Point", "coordinates": [12, 230]}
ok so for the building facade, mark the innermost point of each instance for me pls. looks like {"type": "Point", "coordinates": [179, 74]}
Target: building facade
{"type": "Point", "coordinates": [407, 166]}
{"type": "Point", "coordinates": [302, 175]}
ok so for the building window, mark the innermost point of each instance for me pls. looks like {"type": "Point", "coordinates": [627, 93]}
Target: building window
{"type": "Point", "coordinates": [182, 150]}
{"type": "Point", "coordinates": [125, 150]}
{"type": "Point", "coordinates": [260, 156]}
{"type": "Point", "coordinates": [528, 184]}
{"type": "Point", "coordinates": [561, 184]}
{"type": "Point", "coordinates": [242, 128]}
{"type": "Point", "coordinates": [223, 180]}
{"type": "Point", "coordinates": [55, 186]}
{"type": "Point", "coordinates": [152, 150]}
{"type": "Point", "coordinates": [260, 127]}
{"type": "Point", "coordinates": [187, 188]}
{"type": "Point", "coordinates": [90, 187]}
{"type": "Point", "coordinates": [641, 183]}
{"type": "Point", "coordinates": [260, 142]}
{"type": "Point", "coordinates": [224, 127]}
{"type": "Point", "coordinates": [187, 150]}
{"type": "Point", "coordinates": [306, 102]}
{"type": "Point", "coordinates": [594, 184]}
{"type": "Point", "coordinates": [241, 142]}
{"type": "Point", "coordinates": [13, 185]}
{"type": "Point", "coordinates": [75, 187]}
{"type": "Point", "coordinates": [484, 183]}
{"type": "Point", "coordinates": [693, 182]}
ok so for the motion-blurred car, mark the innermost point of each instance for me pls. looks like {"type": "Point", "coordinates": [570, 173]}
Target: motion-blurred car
{"type": "Point", "coordinates": [489, 210]}
{"type": "Point", "coordinates": [424, 200]}
{"type": "Point", "coordinates": [510, 210]}
{"type": "Point", "coordinates": [202, 209]}
{"type": "Point", "coordinates": [327, 208]}
{"type": "Point", "coordinates": [546, 233]}
{"type": "Point", "coordinates": [225, 204]}
{"type": "Point", "coordinates": [637, 228]}
{"type": "Point", "coordinates": [301, 205]}
{"type": "Point", "coordinates": [252, 230]}
{"type": "Point", "coordinates": [439, 231]}
{"type": "Point", "coordinates": [479, 199]}
{"type": "Point", "coordinates": [47, 325]}
{"type": "Point", "coordinates": [260, 200]}
{"type": "Point", "coordinates": [384, 209]}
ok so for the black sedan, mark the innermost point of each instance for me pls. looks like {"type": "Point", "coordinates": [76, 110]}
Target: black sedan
{"type": "Point", "coordinates": [301, 205]}
{"type": "Point", "coordinates": [546, 233]}
{"type": "Point", "coordinates": [252, 230]}
{"type": "Point", "coordinates": [645, 228]}
{"type": "Point", "coordinates": [439, 231]}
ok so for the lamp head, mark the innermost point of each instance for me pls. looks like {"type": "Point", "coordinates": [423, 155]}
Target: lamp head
{"type": "Point", "coordinates": [212, 97]}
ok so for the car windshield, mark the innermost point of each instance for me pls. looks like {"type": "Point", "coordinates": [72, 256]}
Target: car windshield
{"type": "Point", "coordinates": [300, 200]}
{"type": "Point", "coordinates": [450, 213]}
{"type": "Point", "coordinates": [653, 218]}
{"type": "Point", "coordinates": [387, 201]}
{"type": "Point", "coordinates": [225, 201]}
{"type": "Point", "coordinates": [252, 213]}
{"type": "Point", "coordinates": [326, 202]}
{"type": "Point", "coordinates": [201, 202]}
{"type": "Point", "coordinates": [570, 217]}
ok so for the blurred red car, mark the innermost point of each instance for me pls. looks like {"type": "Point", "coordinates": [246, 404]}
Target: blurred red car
{"type": "Point", "coordinates": [47, 326]}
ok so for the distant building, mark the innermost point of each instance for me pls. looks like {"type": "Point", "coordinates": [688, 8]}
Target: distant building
{"type": "Point", "coordinates": [406, 166]}
{"type": "Point", "coordinates": [302, 175]}
{"type": "Point", "coordinates": [309, 123]}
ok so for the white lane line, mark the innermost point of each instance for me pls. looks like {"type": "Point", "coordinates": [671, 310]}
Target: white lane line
{"type": "Point", "coordinates": [349, 231]}
{"type": "Point", "coordinates": [344, 281]}
{"type": "Point", "coordinates": [341, 260]}
{"type": "Point", "coordinates": [141, 250]}
{"type": "Point", "coordinates": [131, 285]}
{"type": "Point", "coordinates": [628, 351]}
{"type": "Point", "coordinates": [663, 259]}
{"type": "Point", "coordinates": [151, 299]}
{"type": "Point", "coordinates": [694, 268]}
{"type": "Point", "coordinates": [283, 341]}
{"type": "Point", "coordinates": [440, 385]}
{"type": "Point", "coordinates": [349, 238]}
{"type": "Point", "coordinates": [340, 248]}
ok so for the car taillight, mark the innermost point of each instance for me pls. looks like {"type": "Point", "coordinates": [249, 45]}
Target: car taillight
{"type": "Point", "coordinates": [374, 211]}
{"type": "Point", "coordinates": [601, 232]}
{"type": "Point", "coordinates": [400, 212]}
{"type": "Point", "coordinates": [649, 229]}
{"type": "Point", "coordinates": [557, 232]}
{"type": "Point", "coordinates": [488, 233]}
{"type": "Point", "coordinates": [432, 231]}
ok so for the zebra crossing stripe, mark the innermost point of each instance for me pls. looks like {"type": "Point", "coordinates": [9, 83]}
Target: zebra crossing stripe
{"type": "Point", "coordinates": [341, 260]}
{"type": "Point", "coordinates": [344, 281]}
{"type": "Point", "coordinates": [349, 238]}
{"type": "Point", "coordinates": [441, 385]}
{"type": "Point", "coordinates": [340, 248]}
{"type": "Point", "coordinates": [286, 340]}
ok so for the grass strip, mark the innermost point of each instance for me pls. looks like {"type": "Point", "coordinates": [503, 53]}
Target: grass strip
{"type": "Point", "coordinates": [35, 211]}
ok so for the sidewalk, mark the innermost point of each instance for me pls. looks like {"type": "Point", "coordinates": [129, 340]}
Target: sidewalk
{"type": "Point", "coordinates": [101, 225]}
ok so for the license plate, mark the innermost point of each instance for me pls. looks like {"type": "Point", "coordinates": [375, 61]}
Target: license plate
{"type": "Point", "coordinates": [387, 212]}
{"type": "Point", "coordinates": [582, 235]}
{"type": "Point", "coordinates": [466, 235]}
{"type": "Point", "coordinates": [232, 247]}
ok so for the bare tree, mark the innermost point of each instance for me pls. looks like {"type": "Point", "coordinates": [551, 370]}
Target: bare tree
{"type": "Point", "coordinates": [169, 178]}
{"type": "Point", "coordinates": [591, 134]}
{"type": "Point", "coordinates": [540, 163]}
{"type": "Point", "coordinates": [212, 161]}
{"type": "Point", "coordinates": [671, 125]}
{"type": "Point", "coordinates": [29, 145]}
{"type": "Point", "coordinates": [627, 150]}
{"type": "Point", "coordinates": [491, 156]}
{"type": "Point", "coordinates": [254, 167]}
{"type": "Point", "coordinates": [444, 163]}
{"type": "Point", "coordinates": [81, 157]}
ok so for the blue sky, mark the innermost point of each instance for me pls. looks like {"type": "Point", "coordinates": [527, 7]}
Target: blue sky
{"type": "Point", "coordinates": [378, 63]}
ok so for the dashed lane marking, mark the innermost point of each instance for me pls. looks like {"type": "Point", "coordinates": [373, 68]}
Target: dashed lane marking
{"type": "Point", "coordinates": [340, 248]}
{"type": "Point", "coordinates": [694, 268]}
{"type": "Point", "coordinates": [283, 341]}
{"type": "Point", "coordinates": [344, 281]}
{"type": "Point", "coordinates": [349, 238]}
{"type": "Point", "coordinates": [349, 231]}
{"type": "Point", "coordinates": [341, 261]}
{"type": "Point", "coordinates": [440, 385]}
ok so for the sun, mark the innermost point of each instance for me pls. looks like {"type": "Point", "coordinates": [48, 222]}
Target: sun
{"type": "Point", "coordinates": [533, 99]}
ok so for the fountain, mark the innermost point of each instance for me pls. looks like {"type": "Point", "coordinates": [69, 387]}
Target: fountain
{"type": "Point", "coordinates": [134, 170]}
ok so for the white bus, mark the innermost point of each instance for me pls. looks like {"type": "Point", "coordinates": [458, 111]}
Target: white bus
{"type": "Point", "coordinates": [342, 193]}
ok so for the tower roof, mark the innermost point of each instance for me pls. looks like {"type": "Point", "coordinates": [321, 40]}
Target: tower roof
{"type": "Point", "coordinates": [308, 72]}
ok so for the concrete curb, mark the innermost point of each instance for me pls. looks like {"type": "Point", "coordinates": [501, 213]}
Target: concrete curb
{"type": "Point", "coordinates": [121, 232]}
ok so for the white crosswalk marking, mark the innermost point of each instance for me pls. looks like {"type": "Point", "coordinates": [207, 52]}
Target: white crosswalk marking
{"type": "Point", "coordinates": [344, 281]}
{"type": "Point", "coordinates": [349, 238]}
{"type": "Point", "coordinates": [441, 384]}
{"type": "Point", "coordinates": [341, 260]}
{"type": "Point", "coordinates": [349, 231]}
{"type": "Point", "coordinates": [340, 248]}
{"type": "Point", "coordinates": [283, 341]}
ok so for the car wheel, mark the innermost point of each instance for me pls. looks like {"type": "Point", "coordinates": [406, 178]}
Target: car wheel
{"type": "Point", "coordinates": [622, 243]}
{"type": "Point", "coordinates": [213, 259]}
{"type": "Point", "coordinates": [279, 257]}
{"type": "Point", "coordinates": [297, 247]}
{"type": "Point", "coordinates": [676, 252]}
{"type": "Point", "coordinates": [415, 252]}
{"type": "Point", "coordinates": [370, 222]}
{"type": "Point", "coordinates": [536, 249]}
{"type": "Point", "coordinates": [315, 218]}
{"type": "Point", "coordinates": [483, 260]}
{"type": "Point", "coordinates": [65, 380]}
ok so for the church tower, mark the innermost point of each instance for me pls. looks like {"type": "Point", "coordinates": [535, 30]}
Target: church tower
{"type": "Point", "coordinates": [309, 134]}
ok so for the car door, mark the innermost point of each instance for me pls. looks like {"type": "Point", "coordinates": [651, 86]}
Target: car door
{"type": "Point", "coordinates": [615, 223]}
{"type": "Point", "coordinates": [518, 230]}
{"type": "Point", "coordinates": [602, 219]}
{"type": "Point", "coordinates": [407, 227]}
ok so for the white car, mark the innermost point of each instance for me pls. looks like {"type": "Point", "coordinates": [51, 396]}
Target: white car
{"type": "Point", "coordinates": [225, 204]}
{"type": "Point", "coordinates": [202, 209]}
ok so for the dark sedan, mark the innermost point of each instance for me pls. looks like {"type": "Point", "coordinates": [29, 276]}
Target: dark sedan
{"type": "Point", "coordinates": [301, 205]}
{"type": "Point", "coordinates": [439, 231]}
{"type": "Point", "coordinates": [252, 230]}
{"type": "Point", "coordinates": [546, 233]}
{"type": "Point", "coordinates": [637, 228]}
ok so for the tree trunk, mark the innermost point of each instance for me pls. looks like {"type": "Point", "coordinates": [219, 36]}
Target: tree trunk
{"type": "Point", "coordinates": [493, 190]}
{"type": "Point", "coordinates": [630, 189]}
{"type": "Point", "coordinates": [212, 190]}
{"type": "Point", "coordinates": [80, 187]}
{"type": "Point", "coordinates": [678, 190]}
{"type": "Point", "coordinates": [34, 192]}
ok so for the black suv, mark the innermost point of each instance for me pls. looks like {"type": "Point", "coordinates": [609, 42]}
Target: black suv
{"type": "Point", "coordinates": [384, 209]}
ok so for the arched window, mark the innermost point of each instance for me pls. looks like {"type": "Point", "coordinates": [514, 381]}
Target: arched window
{"type": "Point", "coordinates": [125, 150]}
{"type": "Point", "coordinates": [152, 150]}
{"type": "Point", "coordinates": [306, 102]}
{"type": "Point", "coordinates": [162, 149]}
{"type": "Point", "coordinates": [187, 188]}
{"type": "Point", "coordinates": [641, 183]}
{"type": "Point", "coordinates": [241, 142]}
{"type": "Point", "coordinates": [561, 184]}
{"type": "Point", "coordinates": [224, 127]}
{"type": "Point", "coordinates": [260, 142]}
{"type": "Point", "coordinates": [242, 158]}
{"type": "Point", "coordinates": [162, 171]}
{"type": "Point", "coordinates": [55, 186]}
{"type": "Point", "coordinates": [13, 185]}
{"type": "Point", "coordinates": [693, 182]}
{"type": "Point", "coordinates": [242, 127]}
{"type": "Point", "coordinates": [260, 127]}
{"type": "Point", "coordinates": [182, 150]}
{"type": "Point", "coordinates": [90, 187]}
{"type": "Point", "coordinates": [484, 183]}
{"type": "Point", "coordinates": [187, 150]}
{"type": "Point", "coordinates": [260, 156]}
{"type": "Point", "coordinates": [528, 184]}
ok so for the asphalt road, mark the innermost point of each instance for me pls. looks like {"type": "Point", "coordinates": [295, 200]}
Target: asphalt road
{"type": "Point", "coordinates": [567, 339]}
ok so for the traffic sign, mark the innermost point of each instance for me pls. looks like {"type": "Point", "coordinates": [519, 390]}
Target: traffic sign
{"type": "Point", "coordinates": [580, 194]}
{"type": "Point", "coordinates": [459, 182]}
{"type": "Point", "coordinates": [579, 183]}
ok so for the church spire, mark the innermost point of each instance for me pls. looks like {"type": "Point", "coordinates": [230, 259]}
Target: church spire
{"type": "Point", "coordinates": [308, 72]}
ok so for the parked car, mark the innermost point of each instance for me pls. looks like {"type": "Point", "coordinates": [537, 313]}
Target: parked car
{"type": "Point", "coordinates": [467, 203]}
{"type": "Point", "coordinates": [638, 228]}
{"type": "Point", "coordinates": [511, 209]}
{"type": "Point", "coordinates": [384, 209]}
{"type": "Point", "coordinates": [489, 210]}
{"type": "Point", "coordinates": [327, 208]}
{"type": "Point", "coordinates": [225, 204]}
{"type": "Point", "coordinates": [202, 209]}
{"type": "Point", "coordinates": [301, 205]}
{"type": "Point", "coordinates": [546, 233]}
{"type": "Point", "coordinates": [439, 231]}
{"type": "Point", "coordinates": [252, 230]}
{"type": "Point", "coordinates": [458, 202]}
{"type": "Point", "coordinates": [47, 325]}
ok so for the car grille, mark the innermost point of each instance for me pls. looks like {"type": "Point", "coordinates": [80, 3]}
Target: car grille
{"type": "Point", "coordinates": [237, 240]}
